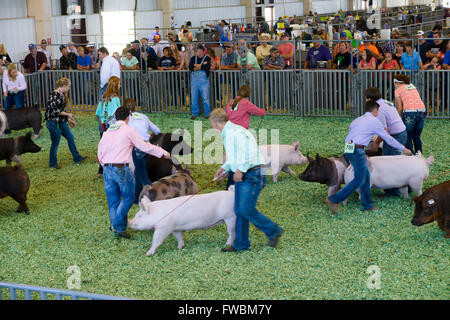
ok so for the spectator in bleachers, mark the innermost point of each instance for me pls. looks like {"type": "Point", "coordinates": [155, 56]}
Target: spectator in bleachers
{"type": "Point", "coordinates": [144, 43]}
{"type": "Point", "coordinates": [263, 50]}
{"type": "Point", "coordinates": [273, 61]}
{"type": "Point", "coordinates": [116, 56]}
{"type": "Point", "coordinates": [399, 51]}
{"type": "Point", "coordinates": [436, 29]}
{"type": "Point", "coordinates": [84, 62]}
{"type": "Point", "coordinates": [337, 47]}
{"type": "Point", "coordinates": [435, 64]}
{"type": "Point", "coordinates": [47, 53]}
{"type": "Point", "coordinates": [434, 47]}
{"type": "Point", "coordinates": [167, 61]}
{"type": "Point", "coordinates": [14, 86]}
{"type": "Point", "coordinates": [199, 67]}
{"type": "Point", "coordinates": [135, 49]}
{"type": "Point", "coordinates": [173, 40]}
{"type": "Point", "coordinates": [446, 61]}
{"type": "Point", "coordinates": [148, 63]}
{"type": "Point", "coordinates": [389, 63]}
{"type": "Point", "coordinates": [155, 33]}
{"type": "Point", "coordinates": [411, 59]}
{"type": "Point", "coordinates": [129, 62]}
{"type": "Point", "coordinates": [220, 28]}
{"type": "Point", "coordinates": [254, 42]}
{"type": "Point", "coordinates": [68, 60]}
{"type": "Point", "coordinates": [247, 60]}
{"type": "Point", "coordinates": [178, 55]}
{"type": "Point", "coordinates": [35, 60]}
{"type": "Point", "coordinates": [92, 54]}
{"type": "Point", "coordinates": [377, 44]}
{"type": "Point", "coordinates": [158, 46]}
{"type": "Point", "coordinates": [4, 56]}
{"type": "Point", "coordinates": [318, 56]}
{"type": "Point", "coordinates": [343, 58]}
{"type": "Point", "coordinates": [229, 58]}
{"type": "Point", "coordinates": [71, 48]}
{"type": "Point", "coordinates": [335, 33]}
{"type": "Point", "coordinates": [368, 61]}
{"type": "Point", "coordinates": [422, 45]}
{"type": "Point", "coordinates": [368, 46]}
{"type": "Point", "coordinates": [287, 50]}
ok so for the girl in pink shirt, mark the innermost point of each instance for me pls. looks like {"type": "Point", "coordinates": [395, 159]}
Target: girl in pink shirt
{"type": "Point", "coordinates": [240, 109]}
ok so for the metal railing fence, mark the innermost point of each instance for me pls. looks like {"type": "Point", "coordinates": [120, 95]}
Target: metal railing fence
{"type": "Point", "coordinates": [15, 291]}
{"type": "Point", "coordinates": [310, 92]}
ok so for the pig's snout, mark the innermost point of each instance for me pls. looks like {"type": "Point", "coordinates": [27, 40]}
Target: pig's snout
{"type": "Point", "coordinates": [416, 222]}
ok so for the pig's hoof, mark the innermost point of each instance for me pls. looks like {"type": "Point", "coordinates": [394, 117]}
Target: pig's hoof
{"type": "Point", "coordinates": [149, 253]}
{"type": "Point", "coordinates": [180, 247]}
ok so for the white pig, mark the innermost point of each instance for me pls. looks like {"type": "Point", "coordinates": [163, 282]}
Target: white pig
{"type": "Point", "coordinates": [387, 172]}
{"type": "Point", "coordinates": [278, 158]}
{"type": "Point", "coordinates": [173, 216]}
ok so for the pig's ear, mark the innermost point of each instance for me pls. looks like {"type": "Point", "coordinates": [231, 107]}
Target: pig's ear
{"type": "Point", "coordinates": [296, 146]}
{"type": "Point", "coordinates": [317, 157]}
{"type": "Point", "coordinates": [146, 203]}
{"type": "Point", "coordinates": [430, 159]}
{"type": "Point", "coordinates": [309, 158]}
{"type": "Point", "coordinates": [414, 199]}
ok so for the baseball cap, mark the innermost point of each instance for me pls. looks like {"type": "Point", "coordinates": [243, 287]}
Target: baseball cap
{"type": "Point", "coordinates": [62, 47]}
{"type": "Point", "coordinates": [285, 35]}
{"type": "Point", "coordinates": [43, 41]}
{"type": "Point", "coordinates": [420, 33]}
{"type": "Point", "coordinates": [135, 42]}
{"type": "Point", "coordinates": [200, 47]}
{"type": "Point", "coordinates": [31, 46]}
{"type": "Point", "coordinates": [273, 49]}
{"type": "Point", "coordinates": [343, 34]}
{"type": "Point", "coordinates": [156, 36]}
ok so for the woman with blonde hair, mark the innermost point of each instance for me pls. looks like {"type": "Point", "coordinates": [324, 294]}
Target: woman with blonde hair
{"type": "Point", "coordinates": [56, 119]}
{"type": "Point", "coordinates": [14, 86]}
{"type": "Point", "coordinates": [109, 103]}
{"type": "Point", "coordinates": [4, 55]}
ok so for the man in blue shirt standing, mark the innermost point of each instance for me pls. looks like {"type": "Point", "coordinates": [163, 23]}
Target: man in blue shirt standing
{"type": "Point", "coordinates": [245, 160]}
{"type": "Point", "coordinates": [361, 131]}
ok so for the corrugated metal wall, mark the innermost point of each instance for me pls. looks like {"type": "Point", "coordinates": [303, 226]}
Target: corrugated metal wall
{"type": "Point", "coordinates": [328, 6]}
{"type": "Point", "coordinates": [147, 19]}
{"type": "Point", "coordinates": [13, 9]}
{"type": "Point", "coordinates": [288, 8]}
{"type": "Point", "coordinates": [17, 46]}
{"type": "Point", "coordinates": [196, 16]}
{"type": "Point", "coordinates": [146, 5]}
{"type": "Point", "coordinates": [190, 4]}
{"type": "Point", "coordinates": [122, 5]}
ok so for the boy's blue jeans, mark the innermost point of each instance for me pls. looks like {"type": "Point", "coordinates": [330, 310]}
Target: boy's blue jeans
{"type": "Point", "coordinates": [361, 180]}
{"type": "Point", "coordinates": [119, 184]}
{"type": "Point", "coordinates": [140, 172]}
{"type": "Point", "coordinates": [246, 197]}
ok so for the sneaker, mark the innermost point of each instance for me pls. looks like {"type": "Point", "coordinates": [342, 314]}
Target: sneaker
{"type": "Point", "coordinates": [82, 159]}
{"type": "Point", "coordinates": [193, 117]}
{"type": "Point", "coordinates": [207, 117]}
{"type": "Point", "coordinates": [228, 249]}
{"type": "Point", "coordinates": [274, 241]}
{"type": "Point", "coordinates": [333, 206]}
{"type": "Point", "coordinates": [56, 167]}
{"type": "Point", "coordinates": [124, 234]}
{"type": "Point", "coordinates": [372, 209]}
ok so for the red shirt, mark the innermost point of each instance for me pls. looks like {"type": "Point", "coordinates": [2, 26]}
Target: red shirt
{"type": "Point", "coordinates": [241, 116]}
{"type": "Point", "coordinates": [29, 62]}
{"type": "Point", "coordinates": [391, 65]}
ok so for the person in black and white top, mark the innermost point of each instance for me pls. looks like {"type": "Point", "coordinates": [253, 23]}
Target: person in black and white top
{"type": "Point", "coordinates": [56, 119]}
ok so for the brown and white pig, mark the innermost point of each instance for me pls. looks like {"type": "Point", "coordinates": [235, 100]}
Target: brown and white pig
{"type": "Point", "coordinates": [14, 182]}
{"type": "Point", "coordinates": [329, 171]}
{"type": "Point", "coordinates": [433, 205]}
{"type": "Point", "coordinates": [12, 148]}
{"type": "Point", "coordinates": [173, 216]}
{"type": "Point", "coordinates": [388, 172]}
{"type": "Point", "coordinates": [177, 185]}
{"type": "Point", "coordinates": [278, 158]}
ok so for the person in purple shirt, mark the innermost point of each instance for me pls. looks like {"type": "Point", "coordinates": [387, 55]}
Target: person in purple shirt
{"type": "Point", "coordinates": [361, 131]}
{"type": "Point", "coordinates": [392, 123]}
{"type": "Point", "coordinates": [318, 53]}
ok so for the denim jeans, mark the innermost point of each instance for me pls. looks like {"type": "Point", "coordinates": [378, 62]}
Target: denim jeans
{"type": "Point", "coordinates": [119, 184]}
{"type": "Point", "coordinates": [246, 197]}
{"type": "Point", "coordinates": [17, 99]}
{"type": "Point", "coordinates": [56, 130]}
{"type": "Point", "coordinates": [199, 87]}
{"type": "Point", "coordinates": [390, 151]}
{"type": "Point", "coordinates": [140, 172]}
{"type": "Point", "coordinates": [414, 122]}
{"type": "Point", "coordinates": [361, 180]}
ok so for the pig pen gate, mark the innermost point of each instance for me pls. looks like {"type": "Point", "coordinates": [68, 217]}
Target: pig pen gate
{"type": "Point", "coordinates": [318, 92]}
